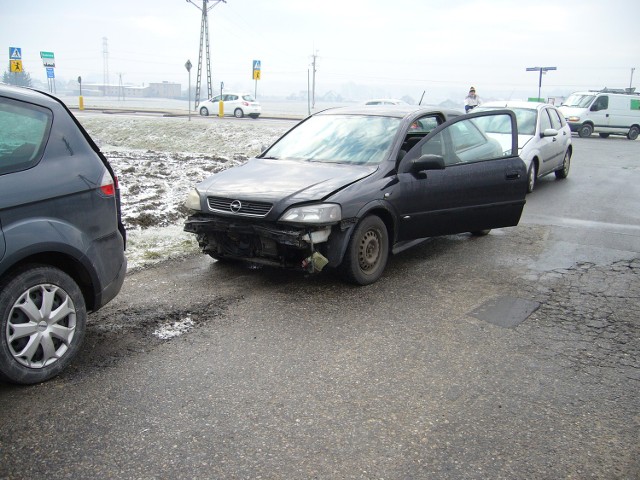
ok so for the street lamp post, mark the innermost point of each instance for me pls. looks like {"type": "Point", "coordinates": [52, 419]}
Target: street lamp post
{"type": "Point", "coordinates": [541, 70]}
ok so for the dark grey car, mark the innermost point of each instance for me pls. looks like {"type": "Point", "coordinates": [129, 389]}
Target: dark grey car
{"type": "Point", "coordinates": [346, 187]}
{"type": "Point", "coordinates": [61, 237]}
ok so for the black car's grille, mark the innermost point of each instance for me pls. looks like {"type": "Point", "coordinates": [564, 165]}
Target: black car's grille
{"type": "Point", "coordinates": [239, 207]}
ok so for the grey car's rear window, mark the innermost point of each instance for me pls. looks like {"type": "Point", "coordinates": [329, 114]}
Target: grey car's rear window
{"type": "Point", "coordinates": [24, 129]}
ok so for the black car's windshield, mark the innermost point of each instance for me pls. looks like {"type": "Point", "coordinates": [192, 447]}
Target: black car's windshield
{"type": "Point", "coordinates": [351, 139]}
{"type": "Point", "coordinates": [582, 101]}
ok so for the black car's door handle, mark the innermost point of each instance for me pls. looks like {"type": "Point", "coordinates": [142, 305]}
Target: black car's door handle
{"type": "Point", "coordinates": [512, 175]}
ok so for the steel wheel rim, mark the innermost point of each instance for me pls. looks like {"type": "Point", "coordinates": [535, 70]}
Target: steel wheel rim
{"type": "Point", "coordinates": [369, 251]}
{"type": "Point", "coordinates": [41, 326]}
{"type": "Point", "coordinates": [567, 164]}
{"type": "Point", "coordinates": [532, 177]}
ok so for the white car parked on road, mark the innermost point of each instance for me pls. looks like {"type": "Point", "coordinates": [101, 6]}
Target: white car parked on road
{"type": "Point", "coordinates": [236, 104]}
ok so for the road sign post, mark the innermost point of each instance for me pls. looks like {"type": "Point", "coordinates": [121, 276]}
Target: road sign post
{"type": "Point", "coordinates": [49, 63]}
{"type": "Point", "coordinates": [80, 98]}
{"type": "Point", "coordinates": [188, 67]}
{"type": "Point", "coordinates": [15, 61]}
{"type": "Point", "coordinates": [542, 70]}
{"type": "Point", "coordinates": [221, 102]}
{"type": "Point", "coordinates": [256, 76]}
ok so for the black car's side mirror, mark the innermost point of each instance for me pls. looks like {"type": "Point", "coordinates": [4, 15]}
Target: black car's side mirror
{"type": "Point", "coordinates": [428, 161]}
{"type": "Point", "coordinates": [418, 166]}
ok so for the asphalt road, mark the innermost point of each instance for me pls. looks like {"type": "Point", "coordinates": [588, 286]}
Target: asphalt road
{"type": "Point", "coordinates": [509, 356]}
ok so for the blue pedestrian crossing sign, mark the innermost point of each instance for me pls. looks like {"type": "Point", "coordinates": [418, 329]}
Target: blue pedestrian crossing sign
{"type": "Point", "coordinates": [256, 70]}
{"type": "Point", "coordinates": [15, 53]}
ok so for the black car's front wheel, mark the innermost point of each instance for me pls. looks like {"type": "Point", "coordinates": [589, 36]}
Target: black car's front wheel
{"type": "Point", "coordinates": [42, 324]}
{"type": "Point", "coordinates": [367, 253]}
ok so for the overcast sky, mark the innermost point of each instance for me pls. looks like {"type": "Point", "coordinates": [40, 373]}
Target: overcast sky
{"type": "Point", "coordinates": [390, 47]}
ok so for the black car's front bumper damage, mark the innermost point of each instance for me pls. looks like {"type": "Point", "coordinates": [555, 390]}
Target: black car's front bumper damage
{"type": "Point", "coordinates": [267, 243]}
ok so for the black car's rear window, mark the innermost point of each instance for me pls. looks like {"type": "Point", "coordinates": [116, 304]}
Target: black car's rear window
{"type": "Point", "coordinates": [24, 129]}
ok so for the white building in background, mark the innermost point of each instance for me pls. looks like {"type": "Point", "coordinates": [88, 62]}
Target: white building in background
{"type": "Point", "coordinates": [153, 90]}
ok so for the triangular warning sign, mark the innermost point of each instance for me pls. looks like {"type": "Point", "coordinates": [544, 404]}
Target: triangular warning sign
{"type": "Point", "coordinates": [15, 54]}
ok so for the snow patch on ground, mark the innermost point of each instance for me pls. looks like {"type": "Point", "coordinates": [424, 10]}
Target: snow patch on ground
{"type": "Point", "coordinates": [158, 160]}
{"type": "Point", "coordinates": [174, 329]}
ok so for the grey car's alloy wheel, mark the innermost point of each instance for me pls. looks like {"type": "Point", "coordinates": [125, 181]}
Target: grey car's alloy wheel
{"type": "Point", "coordinates": [238, 113]}
{"type": "Point", "coordinates": [532, 175]}
{"type": "Point", "coordinates": [633, 133]}
{"type": "Point", "coordinates": [42, 324]}
{"type": "Point", "coordinates": [585, 131]}
{"type": "Point", "coordinates": [204, 111]}
{"type": "Point", "coordinates": [367, 253]}
{"type": "Point", "coordinates": [566, 164]}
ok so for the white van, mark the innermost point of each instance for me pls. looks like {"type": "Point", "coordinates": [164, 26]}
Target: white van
{"type": "Point", "coordinates": [606, 112]}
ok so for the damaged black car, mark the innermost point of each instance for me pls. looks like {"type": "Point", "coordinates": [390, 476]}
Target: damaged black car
{"type": "Point", "coordinates": [347, 187]}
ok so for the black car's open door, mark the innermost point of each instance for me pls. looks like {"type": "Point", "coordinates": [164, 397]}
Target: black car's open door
{"type": "Point", "coordinates": [464, 176]}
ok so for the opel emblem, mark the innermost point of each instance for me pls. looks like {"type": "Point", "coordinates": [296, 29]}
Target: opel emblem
{"type": "Point", "coordinates": [235, 206]}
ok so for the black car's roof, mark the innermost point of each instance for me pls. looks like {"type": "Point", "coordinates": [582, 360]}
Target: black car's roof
{"type": "Point", "coordinates": [399, 111]}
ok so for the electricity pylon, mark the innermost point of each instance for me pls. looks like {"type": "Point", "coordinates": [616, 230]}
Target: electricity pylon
{"type": "Point", "coordinates": [204, 45]}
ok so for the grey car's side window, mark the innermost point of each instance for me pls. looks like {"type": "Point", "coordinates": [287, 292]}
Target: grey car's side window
{"type": "Point", "coordinates": [24, 129]}
{"type": "Point", "coordinates": [545, 121]}
{"type": "Point", "coordinates": [555, 120]}
{"type": "Point", "coordinates": [555, 114]}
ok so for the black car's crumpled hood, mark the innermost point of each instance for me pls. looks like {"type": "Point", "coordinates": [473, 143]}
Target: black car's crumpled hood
{"type": "Point", "coordinates": [277, 180]}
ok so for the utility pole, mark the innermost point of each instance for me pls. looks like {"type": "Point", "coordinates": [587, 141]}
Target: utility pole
{"type": "Point", "coordinates": [204, 45]}
{"type": "Point", "coordinates": [541, 70]}
{"type": "Point", "coordinates": [105, 65]}
{"type": "Point", "coordinates": [631, 81]}
{"type": "Point", "coordinates": [120, 87]}
{"type": "Point", "coordinates": [313, 91]}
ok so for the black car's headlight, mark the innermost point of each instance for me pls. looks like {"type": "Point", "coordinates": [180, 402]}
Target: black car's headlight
{"type": "Point", "coordinates": [193, 200]}
{"type": "Point", "coordinates": [315, 214]}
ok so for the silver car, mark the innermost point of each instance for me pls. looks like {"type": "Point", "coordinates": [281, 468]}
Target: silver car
{"type": "Point", "coordinates": [544, 138]}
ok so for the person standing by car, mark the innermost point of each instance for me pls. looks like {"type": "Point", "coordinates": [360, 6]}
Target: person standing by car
{"type": "Point", "coordinates": [472, 100]}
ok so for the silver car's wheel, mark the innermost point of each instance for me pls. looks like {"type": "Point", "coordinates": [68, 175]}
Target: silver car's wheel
{"type": "Point", "coordinates": [238, 113]}
{"type": "Point", "coordinates": [633, 133]}
{"type": "Point", "coordinates": [204, 111]}
{"type": "Point", "coordinates": [532, 176]}
{"type": "Point", "coordinates": [42, 325]}
{"type": "Point", "coordinates": [367, 253]}
{"type": "Point", "coordinates": [566, 164]}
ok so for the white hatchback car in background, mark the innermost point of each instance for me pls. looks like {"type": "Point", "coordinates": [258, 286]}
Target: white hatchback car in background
{"type": "Point", "coordinates": [236, 104]}
{"type": "Point", "coordinates": [544, 138]}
